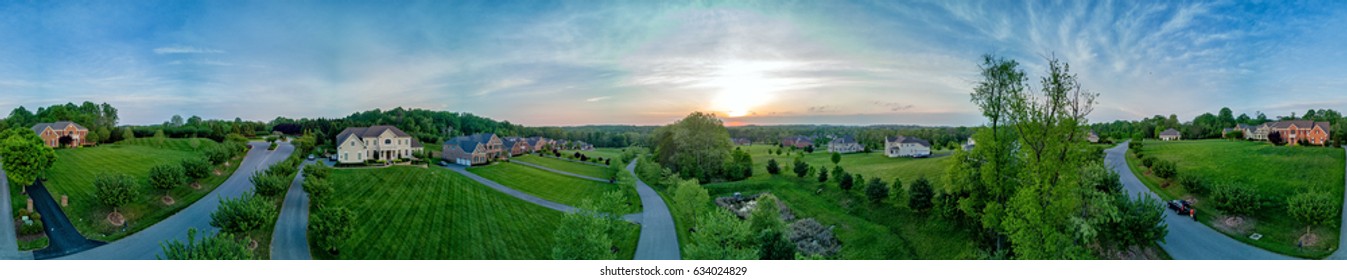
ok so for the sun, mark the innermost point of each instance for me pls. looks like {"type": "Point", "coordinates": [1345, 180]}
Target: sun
{"type": "Point", "coordinates": [743, 86]}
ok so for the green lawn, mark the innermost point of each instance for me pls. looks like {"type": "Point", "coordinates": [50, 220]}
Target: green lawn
{"type": "Point", "coordinates": [1277, 172]}
{"type": "Point", "coordinates": [419, 213]}
{"type": "Point", "coordinates": [74, 171]}
{"type": "Point", "coordinates": [568, 166]}
{"type": "Point", "coordinates": [866, 230]}
{"type": "Point", "coordinates": [552, 186]}
{"type": "Point", "coordinates": [614, 153]}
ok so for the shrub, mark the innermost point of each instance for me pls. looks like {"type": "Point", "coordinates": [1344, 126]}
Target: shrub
{"type": "Point", "coordinates": [196, 168]}
{"type": "Point", "coordinates": [221, 246]}
{"type": "Point", "coordinates": [772, 167]}
{"type": "Point", "coordinates": [317, 188]}
{"type": "Point", "coordinates": [1194, 184]}
{"type": "Point", "coordinates": [876, 190]}
{"type": "Point", "coordinates": [801, 168]}
{"type": "Point", "coordinates": [318, 171]}
{"type": "Point", "coordinates": [166, 176]}
{"type": "Point", "coordinates": [1312, 208]}
{"type": "Point", "coordinates": [272, 147]}
{"type": "Point", "coordinates": [920, 195]}
{"type": "Point", "coordinates": [242, 214]}
{"type": "Point", "coordinates": [114, 190]}
{"type": "Point", "coordinates": [1147, 161]}
{"type": "Point", "coordinates": [267, 185]}
{"type": "Point", "coordinates": [846, 182]}
{"type": "Point", "coordinates": [1164, 169]}
{"type": "Point", "coordinates": [219, 154]}
{"type": "Point", "coordinates": [281, 169]}
{"type": "Point", "coordinates": [1236, 199]}
{"type": "Point", "coordinates": [329, 226]}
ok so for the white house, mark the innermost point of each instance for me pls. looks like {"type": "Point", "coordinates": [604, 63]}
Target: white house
{"type": "Point", "coordinates": [845, 145]}
{"type": "Point", "coordinates": [1170, 135]}
{"type": "Point", "coordinates": [358, 144]}
{"type": "Point", "coordinates": [903, 146]}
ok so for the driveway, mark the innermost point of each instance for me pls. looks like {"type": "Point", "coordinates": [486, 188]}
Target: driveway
{"type": "Point", "coordinates": [659, 237]}
{"type": "Point", "coordinates": [1187, 239]}
{"type": "Point", "coordinates": [145, 245]}
{"type": "Point", "coordinates": [289, 241]}
{"type": "Point", "coordinates": [561, 172]}
{"type": "Point", "coordinates": [64, 238]}
{"type": "Point", "coordinates": [9, 246]}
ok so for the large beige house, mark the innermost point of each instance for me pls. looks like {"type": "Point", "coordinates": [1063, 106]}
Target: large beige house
{"type": "Point", "coordinates": [51, 133]}
{"type": "Point", "coordinates": [903, 146]}
{"type": "Point", "coordinates": [358, 144]}
{"type": "Point", "coordinates": [1170, 135]}
{"type": "Point", "coordinates": [845, 145]}
{"type": "Point", "coordinates": [474, 149]}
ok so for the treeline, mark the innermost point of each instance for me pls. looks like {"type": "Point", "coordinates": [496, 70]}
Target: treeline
{"type": "Point", "coordinates": [870, 136]}
{"type": "Point", "coordinates": [100, 119]}
{"type": "Point", "coordinates": [1210, 125]}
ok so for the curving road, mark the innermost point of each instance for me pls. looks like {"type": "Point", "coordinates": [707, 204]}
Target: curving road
{"type": "Point", "coordinates": [145, 245]}
{"type": "Point", "coordinates": [289, 240]}
{"type": "Point", "coordinates": [659, 237]}
{"type": "Point", "coordinates": [9, 242]}
{"type": "Point", "coordinates": [1187, 239]}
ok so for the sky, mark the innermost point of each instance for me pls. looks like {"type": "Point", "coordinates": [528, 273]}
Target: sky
{"type": "Point", "coordinates": [652, 62]}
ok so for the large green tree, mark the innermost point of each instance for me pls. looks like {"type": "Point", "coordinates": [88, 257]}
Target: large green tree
{"type": "Point", "coordinates": [696, 146]}
{"type": "Point", "coordinates": [221, 246]}
{"type": "Point", "coordinates": [24, 156]}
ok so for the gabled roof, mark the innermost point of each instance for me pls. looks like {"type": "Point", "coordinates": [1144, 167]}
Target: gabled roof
{"type": "Point", "coordinates": [38, 128]}
{"type": "Point", "coordinates": [1170, 132]}
{"type": "Point", "coordinates": [469, 143]}
{"type": "Point", "coordinates": [367, 132]}
{"type": "Point", "coordinates": [417, 143]}
{"type": "Point", "coordinates": [909, 140]}
{"type": "Point", "coordinates": [843, 140]}
{"type": "Point", "coordinates": [1305, 124]}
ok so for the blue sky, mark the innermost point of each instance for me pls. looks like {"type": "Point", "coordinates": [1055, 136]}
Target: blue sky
{"type": "Point", "coordinates": [650, 62]}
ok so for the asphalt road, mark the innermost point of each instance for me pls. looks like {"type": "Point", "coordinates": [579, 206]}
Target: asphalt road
{"type": "Point", "coordinates": [659, 237]}
{"type": "Point", "coordinates": [1341, 254]}
{"type": "Point", "coordinates": [63, 238]}
{"type": "Point", "coordinates": [145, 245]}
{"type": "Point", "coordinates": [561, 172]}
{"type": "Point", "coordinates": [289, 241]}
{"type": "Point", "coordinates": [9, 246]}
{"type": "Point", "coordinates": [1187, 239]}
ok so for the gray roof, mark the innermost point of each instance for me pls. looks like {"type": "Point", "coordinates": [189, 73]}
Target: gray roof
{"type": "Point", "coordinates": [905, 139]}
{"type": "Point", "coordinates": [1305, 124]}
{"type": "Point", "coordinates": [843, 140]}
{"type": "Point", "coordinates": [469, 143]}
{"type": "Point", "coordinates": [533, 141]}
{"type": "Point", "coordinates": [38, 128]}
{"type": "Point", "coordinates": [1170, 132]}
{"type": "Point", "coordinates": [373, 131]}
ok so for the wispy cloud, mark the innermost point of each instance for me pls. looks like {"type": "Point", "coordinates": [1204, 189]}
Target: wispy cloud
{"type": "Point", "coordinates": [185, 50]}
{"type": "Point", "coordinates": [597, 99]}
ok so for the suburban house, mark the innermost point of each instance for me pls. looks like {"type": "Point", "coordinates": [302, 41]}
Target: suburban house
{"type": "Point", "coordinates": [473, 149]}
{"type": "Point", "coordinates": [381, 142]}
{"type": "Point", "coordinates": [1170, 135]}
{"type": "Point", "coordinates": [1294, 132]}
{"type": "Point", "coordinates": [845, 145]}
{"type": "Point", "coordinates": [968, 146]}
{"type": "Point", "coordinates": [51, 133]}
{"type": "Point", "coordinates": [797, 141]}
{"type": "Point", "coordinates": [514, 146]}
{"type": "Point", "coordinates": [581, 145]}
{"type": "Point", "coordinates": [538, 143]}
{"type": "Point", "coordinates": [1093, 137]}
{"type": "Point", "coordinates": [741, 141]}
{"type": "Point", "coordinates": [903, 146]}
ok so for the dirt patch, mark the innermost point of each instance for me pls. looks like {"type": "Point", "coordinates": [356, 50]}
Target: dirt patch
{"type": "Point", "coordinates": [196, 185]}
{"type": "Point", "coordinates": [168, 200]}
{"type": "Point", "coordinates": [1235, 224]}
{"type": "Point", "coordinates": [1309, 240]}
{"type": "Point", "coordinates": [218, 172]}
{"type": "Point", "coordinates": [116, 219]}
{"type": "Point", "coordinates": [252, 244]}
{"type": "Point", "coordinates": [226, 164]}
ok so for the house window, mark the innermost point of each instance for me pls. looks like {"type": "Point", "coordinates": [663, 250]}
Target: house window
{"type": "Point", "coordinates": [388, 141]}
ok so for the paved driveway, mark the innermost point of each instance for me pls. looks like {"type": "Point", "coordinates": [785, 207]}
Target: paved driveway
{"type": "Point", "coordinates": [145, 245]}
{"type": "Point", "coordinates": [63, 238]}
{"type": "Point", "coordinates": [659, 237]}
{"type": "Point", "coordinates": [289, 241]}
{"type": "Point", "coordinates": [1187, 239]}
{"type": "Point", "coordinates": [9, 246]}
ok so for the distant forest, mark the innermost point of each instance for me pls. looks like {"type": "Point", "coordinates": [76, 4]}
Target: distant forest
{"type": "Point", "coordinates": [1210, 125]}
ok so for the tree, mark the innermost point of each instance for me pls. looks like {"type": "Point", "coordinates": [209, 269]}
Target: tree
{"type": "Point", "coordinates": [689, 196]}
{"type": "Point", "coordinates": [127, 134]}
{"type": "Point", "coordinates": [772, 167]}
{"type": "Point", "coordinates": [242, 214]}
{"type": "Point", "coordinates": [222, 246]}
{"type": "Point", "coordinates": [317, 171]}
{"type": "Point", "coordinates": [176, 120]}
{"type": "Point", "coordinates": [1312, 208]}
{"type": "Point", "coordinates": [1164, 169]}
{"type": "Point", "coordinates": [330, 226]}
{"type": "Point", "coordinates": [695, 146]}
{"type": "Point", "coordinates": [317, 187]}
{"type": "Point", "coordinates": [24, 156]}
{"type": "Point", "coordinates": [740, 165]}
{"type": "Point", "coordinates": [1276, 138]}
{"type": "Point", "coordinates": [838, 172]}
{"type": "Point", "coordinates": [267, 184]}
{"type": "Point", "coordinates": [877, 190]}
{"type": "Point", "coordinates": [801, 168]}
{"type": "Point", "coordinates": [921, 194]}
{"type": "Point", "coordinates": [114, 190]}
{"type": "Point", "coordinates": [166, 176]}
{"type": "Point", "coordinates": [1236, 199]}
{"type": "Point", "coordinates": [823, 176]}
{"type": "Point", "coordinates": [837, 157]}
{"type": "Point", "coordinates": [846, 182]}
{"type": "Point", "coordinates": [722, 236]}
{"type": "Point", "coordinates": [896, 188]}
{"type": "Point", "coordinates": [1139, 223]}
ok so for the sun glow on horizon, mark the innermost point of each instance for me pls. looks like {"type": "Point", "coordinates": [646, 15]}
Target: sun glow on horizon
{"type": "Point", "coordinates": [745, 86]}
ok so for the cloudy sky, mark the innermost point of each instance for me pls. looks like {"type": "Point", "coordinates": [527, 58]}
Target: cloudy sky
{"type": "Point", "coordinates": [650, 62]}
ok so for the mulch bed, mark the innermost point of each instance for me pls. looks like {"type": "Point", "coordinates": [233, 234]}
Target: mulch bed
{"type": "Point", "coordinates": [116, 219]}
{"type": "Point", "coordinates": [168, 200]}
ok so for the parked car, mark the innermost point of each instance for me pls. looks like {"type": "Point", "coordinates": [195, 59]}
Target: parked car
{"type": "Point", "coordinates": [443, 163]}
{"type": "Point", "coordinates": [311, 157]}
{"type": "Point", "coordinates": [1182, 207]}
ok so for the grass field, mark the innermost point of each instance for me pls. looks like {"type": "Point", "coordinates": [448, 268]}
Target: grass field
{"type": "Point", "coordinates": [551, 186]}
{"type": "Point", "coordinates": [75, 169]}
{"type": "Point", "coordinates": [615, 153]}
{"type": "Point", "coordinates": [419, 213]}
{"type": "Point", "coordinates": [572, 167]}
{"type": "Point", "coordinates": [867, 230]}
{"type": "Point", "coordinates": [1277, 173]}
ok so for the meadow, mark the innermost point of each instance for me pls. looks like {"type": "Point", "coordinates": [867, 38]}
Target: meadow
{"type": "Point", "coordinates": [572, 167]}
{"type": "Point", "coordinates": [433, 213]}
{"type": "Point", "coordinates": [552, 186]}
{"type": "Point", "coordinates": [1276, 172]}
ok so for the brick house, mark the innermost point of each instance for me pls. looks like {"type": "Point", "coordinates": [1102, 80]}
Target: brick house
{"type": "Point", "coordinates": [473, 149]}
{"type": "Point", "coordinates": [51, 133]}
{"type": "Point", "coordinates": [513, 146]}
{"type": "Point", "coordinates": [797, 141]}
{"type": "Point", "coordinates": [1308, 131]}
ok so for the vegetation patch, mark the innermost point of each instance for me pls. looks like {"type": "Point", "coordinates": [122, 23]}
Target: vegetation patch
{"type": "Point", "coordinates": [567, 166]}
{"type": "Point", "coordinates": [551, 186]}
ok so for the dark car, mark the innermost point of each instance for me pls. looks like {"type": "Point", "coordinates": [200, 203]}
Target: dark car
{"type": "Point", "coordinates": [1183, 207]}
